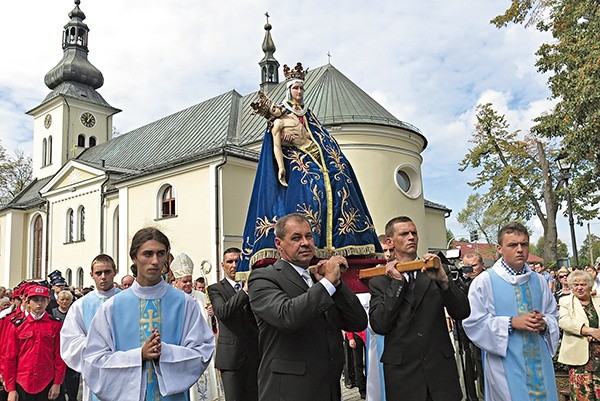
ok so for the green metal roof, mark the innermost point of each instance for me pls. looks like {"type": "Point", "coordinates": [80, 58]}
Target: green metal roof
{"type": "Point", "coordinates": [335, 100]}
{"type": "Point", "coordinates": [227, 121]}
{"type": "Point", "coordinates": [29, 197]}
{"type": "Point", "coordinates": [223, 124]}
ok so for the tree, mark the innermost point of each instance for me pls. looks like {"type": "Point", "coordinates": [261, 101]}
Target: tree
{"type": "Point", "coordinates": [449, 235]}
{"type": "Point", "coordinates": [591, 241]}
{"type": "Point", "coordinates": [15, 173]}
{"type": "Point", "coordinates": [562, 251]}
{"type": "Point", "coordinates": [522, 11]}
{"type": "Point", "coordinates": [571, 60]}
{"type": "Point", "coordinates": [516, 173]}
{"type": "Point", "coordinates": [481, 216]}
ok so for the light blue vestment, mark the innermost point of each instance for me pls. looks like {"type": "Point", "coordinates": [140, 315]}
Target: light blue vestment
{"type": "Point", "coordinates": [528, 363]}
{"type": "Point", "coordinates": [164, 314]}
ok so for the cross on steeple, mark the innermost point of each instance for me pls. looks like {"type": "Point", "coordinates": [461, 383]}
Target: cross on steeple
{"type": "Point", "coordinates": [267, 15]}
{"type": "Point", "coordinates": [328, 58]}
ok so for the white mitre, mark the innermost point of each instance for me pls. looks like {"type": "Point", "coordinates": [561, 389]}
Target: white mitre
{"type": "Point", "coordinates": [182, 266]}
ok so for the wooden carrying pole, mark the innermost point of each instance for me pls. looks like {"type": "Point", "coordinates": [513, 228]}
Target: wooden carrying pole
{"type": "Point", "coordinates": [431, 263]}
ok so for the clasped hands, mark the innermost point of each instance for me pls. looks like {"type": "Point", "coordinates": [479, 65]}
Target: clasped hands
{"type": "Point", "coordinates": [532, 321]}
{"type": "Point", "coordinates": [332, 269]}
{"type": "Point", "coordinates": [151, 348]}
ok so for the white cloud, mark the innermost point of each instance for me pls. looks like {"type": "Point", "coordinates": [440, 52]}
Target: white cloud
{"type": "Point", "coordinates": [428, 62]}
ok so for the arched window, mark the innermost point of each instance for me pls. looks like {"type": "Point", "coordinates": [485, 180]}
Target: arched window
{"type": "Point", "coordinates": [79, 277]}
{"type": "Point", "coordinates": [81, 217]}
{"type": "Point", "coordinates": [44, 152]}
{"type": "Point", "coordinates": [92, 141]}
{"type": "Point", "coordinates": [271, 77]}
{"type": "Point", "coordinates": [168, 202]}
{"type": "Point", "coordinates": [49, 157]}
{"type": "Point", "coordinates": [38, 235]}
{"type": "Point", "coordinates": [70, 225]}
{"type": "Point", "coordinates": [116, 235]}
{"type": "Point", "coordinates": [69, 276]}
{"type": "Point", "coordinates": [81, 141]}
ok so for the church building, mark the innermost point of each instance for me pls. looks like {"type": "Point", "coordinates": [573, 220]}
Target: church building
{"type": "Point", "coordinates": [190, 174]}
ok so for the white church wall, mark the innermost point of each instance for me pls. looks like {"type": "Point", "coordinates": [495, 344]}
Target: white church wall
{"type": "Point", "coordinates": [78, 250]}
{"type": "Point", "coordinates": [376, 153]}
{"type": "Point", "coordinates": [189, 230]}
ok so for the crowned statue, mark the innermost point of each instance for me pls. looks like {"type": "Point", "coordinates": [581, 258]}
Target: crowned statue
{"type": "Point", "coordinates": [303, 170]}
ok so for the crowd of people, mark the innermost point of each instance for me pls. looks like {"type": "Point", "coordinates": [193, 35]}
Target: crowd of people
{"type": "Point", "coordinates": [292, 329]}
{"type": "Point", "coordinates": [281, 334]}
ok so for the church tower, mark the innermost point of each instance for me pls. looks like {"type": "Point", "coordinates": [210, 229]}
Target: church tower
{"type": "Point", "coordinates": [74, 116]}
{"type": "Point", "coordinates": [269, 66]}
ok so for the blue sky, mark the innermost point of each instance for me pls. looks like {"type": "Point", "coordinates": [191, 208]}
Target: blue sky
{"type": "Point", "coordinates": [428, 62]}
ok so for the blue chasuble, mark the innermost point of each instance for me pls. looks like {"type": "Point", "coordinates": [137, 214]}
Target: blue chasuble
{"type": "Point", "coordinates": [135, 318]}
{"type": "Point", "coordinates": [528, 363]}
{"type": "Point", "coordinates": [90, 304]}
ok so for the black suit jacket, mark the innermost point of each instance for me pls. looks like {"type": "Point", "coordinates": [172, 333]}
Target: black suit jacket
{"type": "Point", "coordinates": [418, 354]}
{"type": "Point", "coordinates": [238, 333]}
{"type": "Point", "coordinates": [300, 337]}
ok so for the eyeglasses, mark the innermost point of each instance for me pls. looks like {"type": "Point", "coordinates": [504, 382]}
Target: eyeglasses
{"type": "Point", "coordinates": [562, 276]}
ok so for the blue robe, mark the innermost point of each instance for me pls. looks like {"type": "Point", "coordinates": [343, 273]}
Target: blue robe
{"type": "Point", "coordinates": [322, 186]}
{"type": "Point", "coordinates": [113, 366]}
{"type": "Point", "coordinates": [517, 365]}
{"type": "Point", "coordinates": [74, 332]}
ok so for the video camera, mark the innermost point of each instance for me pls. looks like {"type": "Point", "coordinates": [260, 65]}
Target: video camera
{"type": "Point", "coordinates": [451, 259]}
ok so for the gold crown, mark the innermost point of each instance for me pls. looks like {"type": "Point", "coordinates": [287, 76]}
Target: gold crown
{"type": "Point", "coordinates": [262, 107]}
{"type": "Point", "coordinates": [296, 73]}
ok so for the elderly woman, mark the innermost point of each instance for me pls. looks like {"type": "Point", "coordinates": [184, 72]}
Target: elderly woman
{"type": "Point", "coordinates": [580, 347]}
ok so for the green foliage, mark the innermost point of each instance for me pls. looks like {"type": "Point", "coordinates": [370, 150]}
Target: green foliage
{"type": "Point", "coordinates": [484, 217]}
{"type": "Point", "coordinates": [562, 251]}
{"type": "Point", "coordinates": [516, 174]}
{"type": "Point", "coordinates": [572, 62]}
{"type": "Point", "coordinates": [449, 235]}
{"type": "Point", "coordinates": [520, 11]}
{"type": "Point", "coordinates": [15, 173]}
{"type": "Point", "coordinates": [592, 241]}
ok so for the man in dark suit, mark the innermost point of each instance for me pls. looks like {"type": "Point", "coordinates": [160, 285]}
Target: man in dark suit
{"type": "Point", "coordinates": [408, 308]}
{"type": "Point", "coordinates": [237, 344]}
{"type": "Point", "coordinates": [300, 317]}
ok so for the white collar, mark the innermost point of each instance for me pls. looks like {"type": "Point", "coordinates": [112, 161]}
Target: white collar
{"type": "Point", "coordinates": [150, 292]}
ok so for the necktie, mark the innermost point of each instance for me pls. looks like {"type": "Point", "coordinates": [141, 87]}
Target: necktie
{"type": "Point", "coordinates": [307, 278]}
{"type": "Point", "coordinates": [237, 287]}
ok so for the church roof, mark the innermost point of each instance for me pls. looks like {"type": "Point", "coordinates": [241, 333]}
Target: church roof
{"type": "Point", "coordinates": [227, 121]}
{"type": "Point", "coordinates": [183, 135]}
{"type": "Point", "coordinates": [335, 100]}
{"type": "Point", "coordinates": [439, 206]}
{"type": "Point", "coordinates": [29, 197]}
{"type": "Point", "coordinates": [78, 91]}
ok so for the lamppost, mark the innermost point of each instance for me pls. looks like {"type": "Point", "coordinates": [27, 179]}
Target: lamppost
{"type": "Point", "coordinates": [565, 170]}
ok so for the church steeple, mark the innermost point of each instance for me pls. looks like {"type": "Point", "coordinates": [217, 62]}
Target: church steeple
{"type": "Point", "coordinates": [73, 116]}
{"type": "Point", "coordinates": [269, 66]}
{"type": "Point", "coordinates": [74, 66]}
